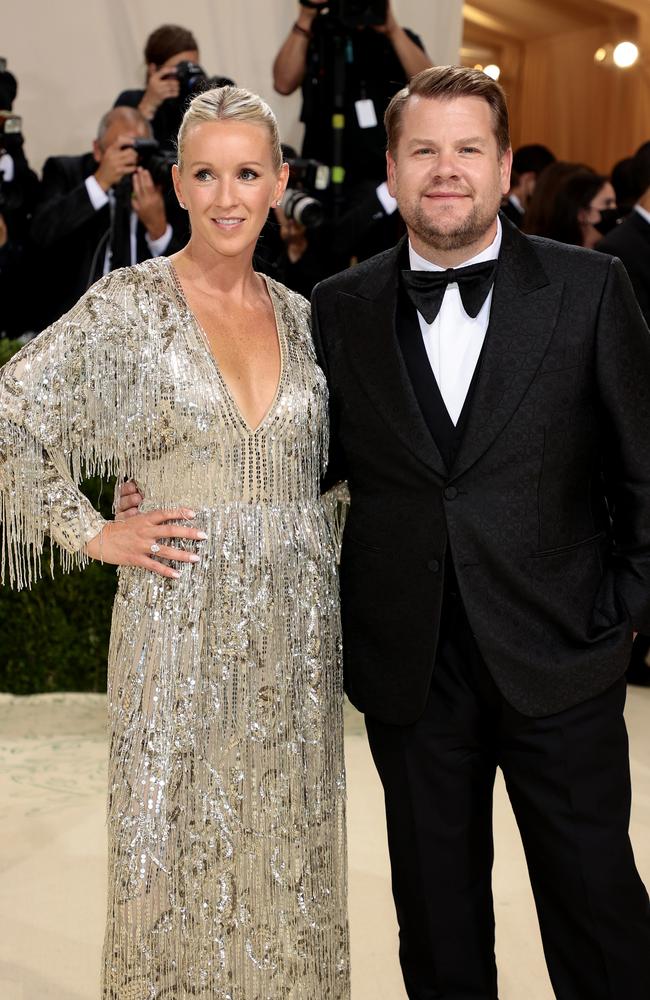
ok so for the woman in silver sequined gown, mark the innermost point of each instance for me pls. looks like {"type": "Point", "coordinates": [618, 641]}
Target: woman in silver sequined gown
{"type": "Point", "coordinates": [227, 868]}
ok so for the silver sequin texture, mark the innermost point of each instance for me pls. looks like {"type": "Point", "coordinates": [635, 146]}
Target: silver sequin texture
{"type": "Point", "coordinates": [227, 867]}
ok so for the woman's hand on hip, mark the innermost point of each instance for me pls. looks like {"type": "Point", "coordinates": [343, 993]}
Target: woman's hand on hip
{"type": "Point", "coordinates": [140, 540]}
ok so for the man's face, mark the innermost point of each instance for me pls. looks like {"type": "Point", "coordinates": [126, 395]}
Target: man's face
{"type": "Point", "coordinates": [447, 174]}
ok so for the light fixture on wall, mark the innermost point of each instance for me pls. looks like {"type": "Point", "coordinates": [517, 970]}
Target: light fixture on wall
{"type": "Point", "coordinates": [622, 56]}
{"type": "Point", "coordinates": [625, 54]}
{"type": "Point", "coordinates": [492, 70]}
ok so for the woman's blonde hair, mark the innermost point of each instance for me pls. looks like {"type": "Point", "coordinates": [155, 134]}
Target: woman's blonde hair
{"type": "Point", "coordinates": [231, 104]}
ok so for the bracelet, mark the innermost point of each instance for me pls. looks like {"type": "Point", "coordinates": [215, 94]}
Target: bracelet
{"type": "Point", "coordinates": [299, 30]}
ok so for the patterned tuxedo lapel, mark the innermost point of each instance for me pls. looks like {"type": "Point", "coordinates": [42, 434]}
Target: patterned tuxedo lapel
{"type": "Point", "coordinates": [372, 350]}
{"type": "Point", "coordinates": [523, 315]}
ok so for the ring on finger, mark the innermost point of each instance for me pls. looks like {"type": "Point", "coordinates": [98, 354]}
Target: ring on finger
{"type": "Point", "coordinates": [155, 548]}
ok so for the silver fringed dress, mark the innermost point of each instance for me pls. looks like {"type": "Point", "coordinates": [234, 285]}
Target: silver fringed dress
{"type": "Point", "coordinates": [227, 867]}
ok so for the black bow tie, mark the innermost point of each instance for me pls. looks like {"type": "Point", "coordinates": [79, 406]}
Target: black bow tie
{"type": "Point", "coordinates": [427, 288]}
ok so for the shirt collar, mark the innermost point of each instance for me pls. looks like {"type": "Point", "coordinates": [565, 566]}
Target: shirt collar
{"type": "Point", "coordinates": [418, 263]}
{"type": "Point", "coordinates": [643, 212]}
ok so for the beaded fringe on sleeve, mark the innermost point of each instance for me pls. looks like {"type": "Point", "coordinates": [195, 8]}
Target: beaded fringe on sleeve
{"type": "Point", "coordinates": [76, 401]}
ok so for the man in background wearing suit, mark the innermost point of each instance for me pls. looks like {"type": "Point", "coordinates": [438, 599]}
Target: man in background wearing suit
{"type": "Point", "coordinates": [527, 164]}
{"type": "Point", "coordinates": [630, 241]}
{"type": "Point", "coordinates": [82, 225]}
{"type": "Point", "coordinates": [492, 423]}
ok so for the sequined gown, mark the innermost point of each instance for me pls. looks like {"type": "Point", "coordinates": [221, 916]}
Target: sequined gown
{"type": "Point", "coordinates": [227, 868]}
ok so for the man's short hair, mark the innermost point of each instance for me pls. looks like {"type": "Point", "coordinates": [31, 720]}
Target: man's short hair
{"type": "Point", "coordinates": [447, 83]}
{"type": "Point", "coordinates": [130, 116]}
{"type": "Point", "coordinates": [531, 159]}
{"type": "Point", "coordinates": [167, 41]}
{"type": "Point", "coordinates": [642, 169]}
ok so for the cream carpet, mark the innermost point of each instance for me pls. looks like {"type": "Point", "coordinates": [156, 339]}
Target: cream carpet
{"type": "Point", "coordinates": [52, 857]}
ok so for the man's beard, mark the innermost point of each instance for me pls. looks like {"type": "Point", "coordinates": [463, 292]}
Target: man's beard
{"type": "Point", "coordinates": [468, 232]}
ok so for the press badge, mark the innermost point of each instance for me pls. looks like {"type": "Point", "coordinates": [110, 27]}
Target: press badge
{"type": "Point", "coordinates": [366, 114]}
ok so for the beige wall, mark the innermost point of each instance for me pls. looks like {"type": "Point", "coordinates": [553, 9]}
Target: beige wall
{"type": "Point", "coordinates": [584, 112]}
{"type": "Point", "coordinates": [73, 57]}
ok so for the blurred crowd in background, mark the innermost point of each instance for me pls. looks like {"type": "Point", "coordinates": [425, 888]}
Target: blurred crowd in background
{"type": "Point", "coordinates": [114, 204]}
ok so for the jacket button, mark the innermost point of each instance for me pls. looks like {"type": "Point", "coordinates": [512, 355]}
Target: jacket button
{"type": "Point", "coordinates": [433, 565]}
{"type": "Point", "coordinates": [450, 493]}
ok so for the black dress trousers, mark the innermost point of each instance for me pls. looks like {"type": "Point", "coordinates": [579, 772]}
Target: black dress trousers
{"type": "Point", "coordinates": [568, 780]}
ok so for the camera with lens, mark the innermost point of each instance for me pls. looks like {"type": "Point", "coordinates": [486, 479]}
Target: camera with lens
{"type": "Point", "coordinates": [353, 13]}
{"type": "Point", "coordinates": [306, 179]}
{"type": "Point", "coordinates": [11, 137]}
{"type": "Point", "coordinates": [11, 131]}
{"type": "Point", "coordinates": [157, 161]}
{"type": "Point", "coordinates": [192, 79]}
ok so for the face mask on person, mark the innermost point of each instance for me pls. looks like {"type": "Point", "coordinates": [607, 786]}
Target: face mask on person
{"type": "Point", "coordinates": [609, 219]}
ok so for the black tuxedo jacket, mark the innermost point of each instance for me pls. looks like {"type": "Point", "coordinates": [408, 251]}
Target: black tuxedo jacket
{"type": "Point", "coordinates": [546, 510]}
{"type": "Point", "coordinates": [67, 230]}
{"type": "Point", "coordinates": [631, 242]}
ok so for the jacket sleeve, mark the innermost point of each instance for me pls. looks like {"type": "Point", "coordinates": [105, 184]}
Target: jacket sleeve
{"type": "Point", "coordinates": [623, 373]}
{"type": "Point", "coordinates": [335, 472]}
{"type": "Point", "coordinates": [62, 210]}
{"type": "Point", "coordinates": [67, 401]}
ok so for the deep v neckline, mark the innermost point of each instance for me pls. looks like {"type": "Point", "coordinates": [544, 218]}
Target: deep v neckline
{"type": "Point", "coordinates": [279, 331]}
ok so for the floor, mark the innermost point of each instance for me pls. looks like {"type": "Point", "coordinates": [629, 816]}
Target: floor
{"type": "Point", "coordinates": [52, 857]}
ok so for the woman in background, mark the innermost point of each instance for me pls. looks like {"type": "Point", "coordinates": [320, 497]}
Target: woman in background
{"type": "Point", "coordinates": [573, 205]}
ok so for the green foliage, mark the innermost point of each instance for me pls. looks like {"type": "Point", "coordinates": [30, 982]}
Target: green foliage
{"type": "Point", "coordinates": [54, 637]}
{"type": "Point", "coordinates": [7, 349]}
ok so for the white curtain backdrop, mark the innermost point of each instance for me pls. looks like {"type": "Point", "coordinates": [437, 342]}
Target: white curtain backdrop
{"type": "Point", "coordinates": [73, 57]}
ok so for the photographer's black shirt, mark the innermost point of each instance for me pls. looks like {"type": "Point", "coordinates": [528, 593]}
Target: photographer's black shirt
{"type": "Point", "coordinates": [372, 72]}
{"type": "Point", "coordinates": [166, 121]}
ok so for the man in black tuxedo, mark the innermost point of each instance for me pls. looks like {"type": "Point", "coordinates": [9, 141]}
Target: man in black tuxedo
{"type": "Point", "coordinates": [492, 423]}
{"type": "Point", "coordinates": [631, 239]}
{"type": "Point", "coordinates": [98, 211]}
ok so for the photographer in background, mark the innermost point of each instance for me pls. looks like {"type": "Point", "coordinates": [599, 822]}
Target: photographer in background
{"type": "Point", "coordinates": [160, 102]}
{"type": "Point", "coordinates": [295, 246]}
{"type": "Point", "coordinates": [304, 242]}
{"type": "Point", "coordinates": [100, 211]}
{"type": "Point", "coordinates": [377, 60]}
{"type": "Point", "coordinates": [174, 76]}
{"type": "Point", "coordinates": [19, 187]}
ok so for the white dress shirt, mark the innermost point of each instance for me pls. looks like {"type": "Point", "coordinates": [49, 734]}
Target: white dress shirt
{"type": "Point", "coordinates": [99, 198]}
{"type": "Point", "coordinates": [454, 340]}
{"type": "Point", "coordinates": [7, 168]}
{"type": "Point", "coordinates": [514, 200]}
{"type": "Point", "coordinates": [643, 212]}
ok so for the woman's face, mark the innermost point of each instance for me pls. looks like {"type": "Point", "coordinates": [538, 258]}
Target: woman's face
{"type": "Point", "coordinates": [604, 200]}
{"type": "Point", "coordinates": [228, 183]}
{"type": "Point", "coordinates": [591, 217]}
